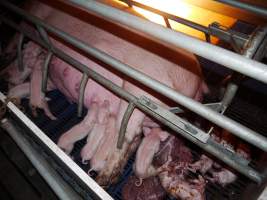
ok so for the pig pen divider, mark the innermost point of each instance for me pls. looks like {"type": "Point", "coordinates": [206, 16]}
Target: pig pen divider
{"type": "Point", "coordinates": [210, 146]}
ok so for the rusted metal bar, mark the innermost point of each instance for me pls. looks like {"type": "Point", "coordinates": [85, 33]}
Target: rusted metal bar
{"type": "Point", "coordinates": [81, 93]}
{"type": "Point", "coordinates": [124, 124]}
{"type": "Point", "coordinates": [45, 71]}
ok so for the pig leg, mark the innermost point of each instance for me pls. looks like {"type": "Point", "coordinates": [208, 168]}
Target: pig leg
{"type": "Point", "coordinates": [30, 53]}
{"type": "Point", "coordinates": [37, 97]}
{"type": "Point", "coordinates": [19, 91]}
{"type": "Point", "coordinates": [97, 133]}
{"type": "Point", "coordinates": [79, 131]}
{"type": "Point", "coordinates": [106, 146]}
{"type": "Point", "coordinates": [145, 153]}
{"type": "Point", "coordinates": [23, 90]}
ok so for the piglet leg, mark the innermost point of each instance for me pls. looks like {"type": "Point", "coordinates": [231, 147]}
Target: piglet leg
{"type": "Point", "coordinates": [79, 131]}
{"type": "Point", "coordinates": [19, 91]}
{"type": "Point", "coordinates": [97, 133]}
{"type": "Point", "coordinates": [106, 145]}
{"type": "Point", "coordinates": [145, 153]}
{"type": "Point", "coordinates": [37, 97]}
{"type": "Point", "coordinates": [23, 90]}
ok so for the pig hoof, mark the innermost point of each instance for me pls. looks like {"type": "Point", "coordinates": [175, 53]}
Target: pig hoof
{"type": "Point", "coordinates": [44, 106]}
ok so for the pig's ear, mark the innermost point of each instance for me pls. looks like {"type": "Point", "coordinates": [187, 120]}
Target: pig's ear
{"type": "Point", "coordinates": [163, 135]}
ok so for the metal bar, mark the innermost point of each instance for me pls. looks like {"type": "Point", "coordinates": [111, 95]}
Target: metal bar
{"type": "Point", "coordinates": [245, 6]}
{"type": "Point", "coordinates": [45, 71]}
{"type": "Point", "coordinates": [19, 51]}
{"type": "Point", "coordinates": [235, 128]}
{"type": "Point", "coordinates": [167, 22]}
{"type": "Point", "coordinates": [207, 37]}
{"type": "Point", "coordinates": [249, 52]}
{"type": "Point", "coordinates": [57, 184]}
{"type": "Point", "coordinates": [124, 124]}
{"type": "Point", "coordinates": [172, 17]}
{"type": "Point", "coordinates": [228, 35]}
{"type": "Point", "coordinates": [216, 54]}
{"type": "Point", "coordinates": [44, 35]}
{"type": "Point", "coordinates": [211, 146]}
{"type": "Point", "coordinates": [95, 189]}
{"type": "Point", "coordinates": [263, 195]}
{"type": "Point", "coordinates": [81, 93]}
{"type": "Point", "coordinates": [211, 30]}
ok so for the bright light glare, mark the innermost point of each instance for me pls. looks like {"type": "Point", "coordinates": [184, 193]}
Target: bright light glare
{"type": "Point", "coordinates": [184, 10]}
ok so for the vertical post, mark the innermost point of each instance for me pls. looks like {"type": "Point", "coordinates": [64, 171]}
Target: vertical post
{"type": "Point", "coordinates": [81, 94]}
{"type": "Point", "coordinates": [124, 124]}
{"type": "Point", "coordinates": [45, 71]}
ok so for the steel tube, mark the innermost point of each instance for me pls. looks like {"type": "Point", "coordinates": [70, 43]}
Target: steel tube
{"type": "Point", "coordinates": [60, 187]}
{"type": "Point", "coordinates": [219, 55]}
{"type": "Point", "coordinates": [245, 6]}
{"type": "Point", "coordinates": [81, 93]}
{"type": "Point", "coordinates": [170, 16]}
{"type": "Point", "coordinates": [210, 146]}
{"type": "Point", "coordinates": [124, 123]}
{"type": "Point", "coordinates": [249, 52]}
{"type": "Point", "coordinates": [226, 123]}
{"type": "Point", "coordinates": [44, 35]}
{"type": "Point", "coordinates": [45, 71]}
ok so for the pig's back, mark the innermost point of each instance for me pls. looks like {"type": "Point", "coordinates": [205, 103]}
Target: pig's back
{"type": "Point", "coordinates": [149, 63]}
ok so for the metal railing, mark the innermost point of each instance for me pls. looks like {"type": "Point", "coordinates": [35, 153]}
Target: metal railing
{"type": "Point", "coordinates": [214, 29]}
{"type": "Point", "coordinates": [179, 125]}
{"type": "Point", "coordinates": [246, 6]}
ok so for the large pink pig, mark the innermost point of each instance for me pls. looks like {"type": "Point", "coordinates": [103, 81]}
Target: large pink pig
{"type": "Point", "coordinates": [173, 67]}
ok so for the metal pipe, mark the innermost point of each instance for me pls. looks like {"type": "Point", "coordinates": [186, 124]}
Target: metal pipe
{"type": "Point", "coordinates": [222, 34]}
{"type": "Point", "coordinates": [245, 6]}
{"type": "Point", "coordinates": [57, 184]}
{"type": "Point", "coordinates": [235, 128]}
{"type": "Point", "coordinates": [19, 51]}
{"type": "Point", "coordinates": [81, 93]}
{"type": "Point", "coordinates": [124, 124]}
{"type": "Point", "coordinates": [210, 146]}
{"type": "Point", "coordinates": [216, 54]}
{"type": "Point", "coordinates": [186, 22]}
{"type": "Point", "coordinates": [44, 35]}
{"type": "Point", "coordinates": [250, 51]}
{"type": "Point", "coordinates": [45, 71]}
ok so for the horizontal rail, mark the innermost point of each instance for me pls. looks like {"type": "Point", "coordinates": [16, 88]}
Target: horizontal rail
{"type": "Point", "coordinates": [222, 34]}
{"type": "Point", "coordinates": [235, 128]}
{"type": "Point", "coordinates": [186, 22]}
{"type": "Point", "coordinates": [210, 146]}
{"type": "Point", "coordinates": [246, 6]}
{"type": "Point", "coordinates": [211, 52]}
{"type": "Point", "coordinates": [57, 184]}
